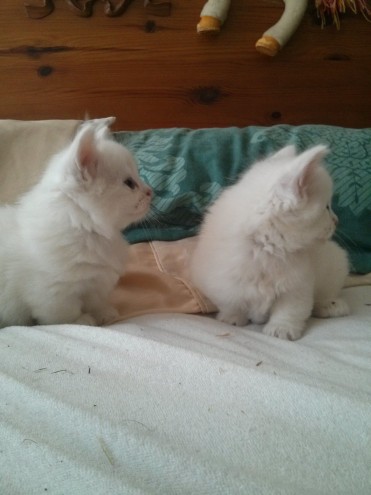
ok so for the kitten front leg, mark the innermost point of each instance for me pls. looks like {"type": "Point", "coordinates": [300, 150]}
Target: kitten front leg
{"type": "Point", "coordinates": [242, 314]}
{"type": "Point", "coordinates": [233, 315]}
{"type": "Point", "coordinates": [106, 315]}
{"type": "Point", "coordinates": [55, 311]}
{"type": "Point", "coordinates": [289, 315]}
{"type": "Point", "coordinates": [331, 309]}
{"type": "Point", "coordinates": [86, 319]}
{"type": "Point", "coordinates": [332, 268]}
{"type": "Point", "coordinates": [103, 312]}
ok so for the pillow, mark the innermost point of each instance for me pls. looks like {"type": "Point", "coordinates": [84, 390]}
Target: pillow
{"type": "Point", "coordinates": [188, 168]}
{"type": "Point", "coordinates": [25, 148]}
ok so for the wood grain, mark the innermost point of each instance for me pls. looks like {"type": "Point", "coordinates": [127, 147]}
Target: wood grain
{"type": "Point", "coordinates": [156, 72]}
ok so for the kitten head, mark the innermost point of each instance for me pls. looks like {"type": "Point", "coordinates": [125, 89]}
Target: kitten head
{"type": "Point", "coordinates": [297, 197]}
{"type": "Point", "coordinates": [101, 176]}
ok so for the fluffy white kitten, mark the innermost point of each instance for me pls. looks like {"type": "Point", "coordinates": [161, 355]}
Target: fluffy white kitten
{"type": "Point", "coordinates": [61, 248]}
{"type": "Point", "coordinates": [263, 253]}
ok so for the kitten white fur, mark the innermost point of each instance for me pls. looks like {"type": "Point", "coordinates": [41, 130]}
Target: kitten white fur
{"type": "Point", "coordinates": [61, 250]}
{"type": "Point", "coordinates": [263, 253]}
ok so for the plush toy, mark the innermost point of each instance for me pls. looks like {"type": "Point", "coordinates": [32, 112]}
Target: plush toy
{"type": "Point", "coordinates": [215, 12]}
{"type": "Point", "coordinates": [279, 34]}
{"type": "Point", "coordinates": [332, 9]}
{"type": "Point", "coordinates": [213, 15]}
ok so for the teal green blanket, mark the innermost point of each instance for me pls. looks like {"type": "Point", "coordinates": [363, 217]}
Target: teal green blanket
{"type": "Point", "coordinates": [188, 168]}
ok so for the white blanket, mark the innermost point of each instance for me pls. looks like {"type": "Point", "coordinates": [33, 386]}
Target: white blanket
{"type": "Point", "coordinates": [180, 404]}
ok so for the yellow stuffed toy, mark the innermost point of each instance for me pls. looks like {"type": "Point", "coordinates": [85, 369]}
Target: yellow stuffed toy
{"type": "Point", "coordinates": [215, 12]}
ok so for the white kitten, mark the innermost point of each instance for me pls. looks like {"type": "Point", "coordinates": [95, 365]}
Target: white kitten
{"type": "Point", "coordinates": [61, 249]}
{"type": "Point", "coordinates": [263, 253]}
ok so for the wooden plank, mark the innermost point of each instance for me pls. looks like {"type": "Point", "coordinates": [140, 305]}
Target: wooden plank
{"type": "Point", "coordinates": [157, 72]}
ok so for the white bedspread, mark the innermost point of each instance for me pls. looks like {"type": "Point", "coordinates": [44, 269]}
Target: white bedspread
{"type": "Point", "coordinates": [176, 404]}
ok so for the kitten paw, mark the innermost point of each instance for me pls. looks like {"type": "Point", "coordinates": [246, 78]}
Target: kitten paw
{"type": "Point", "coordinates": [259, 318]}
{"type": "Point", "coordinates": [86, 319]}
{"type": "Point", "coordinates": [235, 319]}
{"type": "Point", "coordinates": [330, 309]}
{"type": "Point", "coordinates": [109, 315]}
{"type": "Point", "coordinates": [283, 331]}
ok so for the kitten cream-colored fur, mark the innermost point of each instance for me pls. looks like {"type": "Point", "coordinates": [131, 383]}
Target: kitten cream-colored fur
{"type": "Point", "coordinates": [61, 248]}
{"type": "Point", "coordinates": [263, 252]}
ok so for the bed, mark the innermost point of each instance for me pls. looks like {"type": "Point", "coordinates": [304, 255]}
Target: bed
{"type": "Point", "coordinates": [166, 399]}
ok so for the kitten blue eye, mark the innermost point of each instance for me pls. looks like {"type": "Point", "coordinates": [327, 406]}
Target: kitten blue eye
{"type": "Point", "coordinates": [130, 183]}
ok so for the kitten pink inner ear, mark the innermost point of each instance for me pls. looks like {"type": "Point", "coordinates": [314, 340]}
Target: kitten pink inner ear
{"type": "Point", "coordinates": [102, 127]}
{"type": "Point", "coordinates": [87, 155]}
{"type": "Point", "coordinates": [103, 132]}
{"type": "Point", "coordinates": [308, 163]}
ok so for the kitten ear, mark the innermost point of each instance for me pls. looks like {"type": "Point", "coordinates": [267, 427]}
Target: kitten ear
{"type": "Point", "coordinates": [86, 155]}
{"type": "Point", "coordinates": [103, 132]}
{"type": "Point", "coordinates": [102, 127]}
{"type": "Point", "coordinates": [309, 161]}
{"type": "Point", "coordinates": [103, 122]}
{"type": "Point", "coordinates": [286, 152]}
{"type": "Point", "coordinates": [298, 179]}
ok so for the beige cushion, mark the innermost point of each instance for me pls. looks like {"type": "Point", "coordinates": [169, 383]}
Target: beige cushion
{"type": "Point", "coordinates": [25, 148]}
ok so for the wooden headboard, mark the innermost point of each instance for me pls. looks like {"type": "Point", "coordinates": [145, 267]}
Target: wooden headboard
{"type": "Point", "coordinates": [153, 71]}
